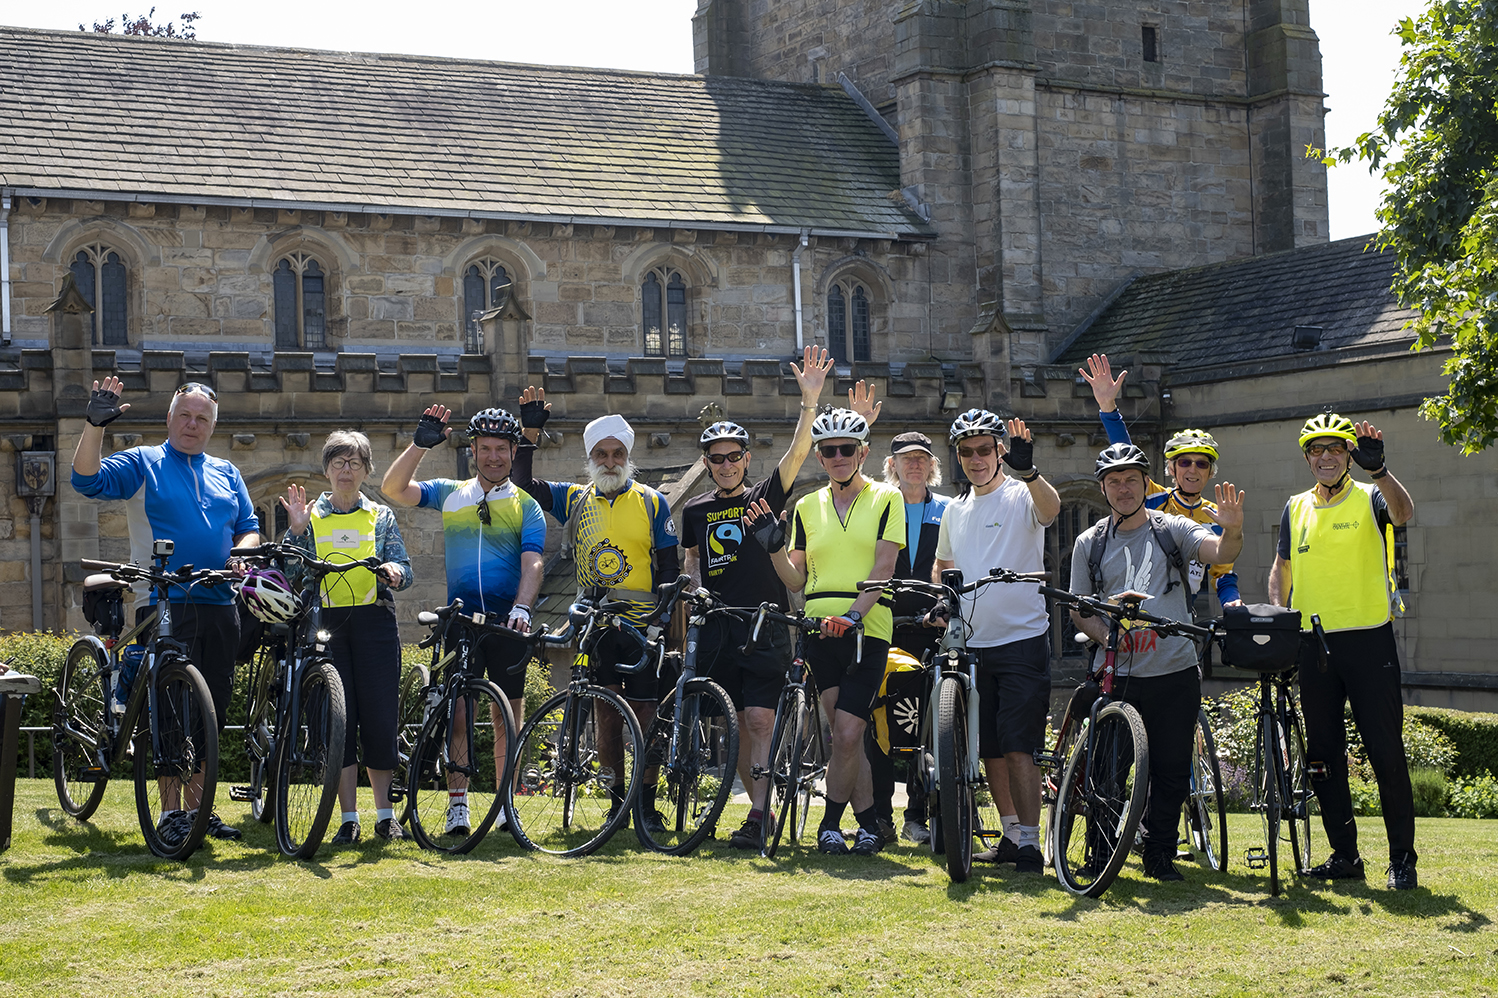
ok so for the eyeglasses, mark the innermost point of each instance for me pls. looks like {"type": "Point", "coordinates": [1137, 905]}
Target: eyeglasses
{"type": "Point", "coordinates": [733, 458]}
{"type": "Point", "coordinates": [484, 516]}
{"type": "Point", "coordinates": [1204, 463]}
{"type": "Point", "coordinates": [345, 464]}
{"type": "Point", "coordinates": [982, 450]}
{"type": "Point", "coordinates": [1336, 449]}
{"type": "Point", "coordinates": [833, 450]}
{"type": "Point", "coordinates": [198, 388]}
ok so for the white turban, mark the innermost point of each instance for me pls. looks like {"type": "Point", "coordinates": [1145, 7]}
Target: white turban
{"type": "Point", "coordinates": [608, 426]}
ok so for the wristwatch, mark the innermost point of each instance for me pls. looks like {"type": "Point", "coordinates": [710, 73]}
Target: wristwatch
{"type": "Point", "coordinates": [854, 616]}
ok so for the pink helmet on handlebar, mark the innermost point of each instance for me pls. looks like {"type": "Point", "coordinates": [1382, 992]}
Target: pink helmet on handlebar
{"type": "Point", "coordinates": [268, 595]}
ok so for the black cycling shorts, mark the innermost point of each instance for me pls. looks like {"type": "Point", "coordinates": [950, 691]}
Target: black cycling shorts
{"type": "Point", "coordinates": [753, 680]}
{"type": "Point", "coordinates": [1014, 696]}
{"type": "Point", "coordinates": [829, 659]}
{"type": "Point", "coordinates": [610, 650]}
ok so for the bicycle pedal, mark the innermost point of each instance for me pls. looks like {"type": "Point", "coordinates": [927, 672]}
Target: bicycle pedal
{"type": "Point", "coordinates": [93, 774]}
{"type": "Point", "coordinates": [242, 793]}
{"type": "Point", "coordinates": [1256, 859]}
{"type": "Point", "coordinates": [758, 772]}
{"type": "Point", "coordinates": [397, 793]}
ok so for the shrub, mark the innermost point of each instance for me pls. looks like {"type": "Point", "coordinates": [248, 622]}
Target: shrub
{"type": "Point", "coordinates": [1474, 798]}
{"type": "Point", "coordinates": [1365, 800]}
{"type": "Point", "coordinates": [1430, 790]}
{"type": "Point", "coordinates": [1428, 747]}
{"type": "Point", "coordinates": [40, 654]}
{"type": "Point", "coordinates": [1475, 737]}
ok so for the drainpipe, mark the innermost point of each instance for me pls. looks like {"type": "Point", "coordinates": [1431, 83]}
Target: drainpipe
{"type": "Point", "coordinates": [795, 280]}
{"type": "Point", "coordinates": [5, 271]}
{"type": "Point", "coordinates": [36, 560]}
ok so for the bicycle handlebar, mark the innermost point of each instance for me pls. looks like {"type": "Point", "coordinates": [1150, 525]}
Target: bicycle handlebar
{"type": "Point", "coordinates": [183, 577]}
{"type": "Point", "coordinates": [315, 565]}
{"type": "Point", "coordinates": [1089, 606]}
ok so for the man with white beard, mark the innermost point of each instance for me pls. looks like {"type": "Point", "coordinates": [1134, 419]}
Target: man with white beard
{"type": "Point", "coordinates": [624, 546]}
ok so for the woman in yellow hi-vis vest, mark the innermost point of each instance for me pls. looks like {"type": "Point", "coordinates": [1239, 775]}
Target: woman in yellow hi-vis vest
{"type": "Point", "coordinates": [346, 525]}
{"type": "Point", "coordinates": [1336, 560]}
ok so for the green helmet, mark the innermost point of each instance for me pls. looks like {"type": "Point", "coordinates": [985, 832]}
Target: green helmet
{"type": "Point", "coordinates": [1328, 424]}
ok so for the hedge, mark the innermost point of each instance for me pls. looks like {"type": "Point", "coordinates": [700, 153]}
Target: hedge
{"type": "Point", "coordinates": [1474, 735]}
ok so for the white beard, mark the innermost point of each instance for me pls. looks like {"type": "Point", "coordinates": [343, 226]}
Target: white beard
{"type": "Point", "coordinates": [607, 480]}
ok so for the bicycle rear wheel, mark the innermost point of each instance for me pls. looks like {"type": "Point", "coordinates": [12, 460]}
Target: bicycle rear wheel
{"type": "Point", "coordinates": [1101, 799]}
{"type": "Point", "coordinates": [952, 769]}
{"type": "Point", "coordinates": [1206, 806]}
{"type": "Point", "coordinates": [694, 785]}
{"type": "Point", "coordinates": [309, 761]}
{"type": "Point", "coordinates": [176, 771]}
{"type": "Point", "coordinates": [785, 770]}
{"type": "Point", "coordinates": [568, 797]}
{"type": "Point", "coordinates": [410, 710]}
{"type": "Point", "coordinates": [461, 766]}
{"type": "Point", "coordinates": [259, 739]}
{"type": "Point", "coordinates": [1267, 782]}
{"type": "Point", "coordinates": [1300, 802]}
{"type": "Point", "coordinates": [813, 769]}
{"type": "Point", "coordinates": [1050, 779]}
{"type": "Point", "coordinates": [77, 726]}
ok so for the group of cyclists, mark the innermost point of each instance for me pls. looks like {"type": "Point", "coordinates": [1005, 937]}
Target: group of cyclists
{"type": "Point", "coordinates": [747, 544]}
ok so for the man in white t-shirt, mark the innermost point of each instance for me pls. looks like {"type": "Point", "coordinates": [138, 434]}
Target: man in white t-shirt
{"type": "Point", "coordinates": [1001, 523]}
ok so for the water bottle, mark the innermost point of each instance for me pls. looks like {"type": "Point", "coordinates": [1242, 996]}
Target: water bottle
{"type": "Point", "coordinates": [130, 663]}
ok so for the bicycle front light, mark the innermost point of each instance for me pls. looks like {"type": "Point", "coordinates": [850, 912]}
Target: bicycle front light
{"type": "Point", "coordinates": [323, 637]}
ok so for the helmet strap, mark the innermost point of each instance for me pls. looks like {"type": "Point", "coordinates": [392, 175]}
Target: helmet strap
{"type": "Point", "coordinates": [1122, 516]}
{"type": "Point", "coordinates": [844, 485]}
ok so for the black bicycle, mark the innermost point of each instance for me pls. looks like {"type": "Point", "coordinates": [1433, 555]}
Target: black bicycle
{"type": "Point", "coordinates": [1206, 804]}
{"type": "Point", "coordinates": [1283, 797]}
{"type": "Point", "coordinates": [134, 698]}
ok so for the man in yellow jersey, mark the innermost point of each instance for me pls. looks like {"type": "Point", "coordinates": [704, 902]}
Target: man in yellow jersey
{"type": "Point", "coordinates": [1336, 560]}
{"type": "Point", "coordinates": [845, 533]}
{"type": "Point", "coordinates": [625, 546]}
{"type": "Point", "coordinates": [1191, 462]}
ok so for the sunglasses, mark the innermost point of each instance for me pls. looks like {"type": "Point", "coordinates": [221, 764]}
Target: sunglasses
{"type": "Point", "coordinates": [1203, 463]}
{"type": "Point", "coordinates": [733, 458]}
{"type": "Point", "coordinates": [197, 388]}
{"type": "Point", "coordinates": [484, 516]}
{"type": "Point", "coordinates": [1336, 449]}
{"type": "Point", "coordinates": [982, 450]}
{"type": "Point", "coordinates": [833, 450]}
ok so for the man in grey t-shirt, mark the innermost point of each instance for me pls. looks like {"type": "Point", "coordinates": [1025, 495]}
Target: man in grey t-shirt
{"type": "Point", "coordinates": [1157, 675]}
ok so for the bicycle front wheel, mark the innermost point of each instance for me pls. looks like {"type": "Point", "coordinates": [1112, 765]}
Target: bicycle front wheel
{"type": "Point", "coordinates": [577, 770]}
{"type": "Point", "coordinates": [696, 779]}
{"type": "Point", "coordinates": [1206, 806]}
{"type": "Point", "coordinates": [259, 740]}
{"type": "Point", "coordinates": [176, 760]}
{"type": "Point", "coordinates": [1300, 801]}
{"type": "Point", "coordinates": [410, 709]}
{"type": "Point", "coordinates": [785, 771]}
{"type": "Point", "coordinates": [462, 767]}
{"type": "Point", "coordinates": [1100, 801]}
{"type": "Point", "coordinates": [813, 768]}
{"type": "Point", "coordinates": [309, 762]}
{"type": "Point", "coordinates": [1050, 779]}
{"type": "Point", "coordinates": [77, 727]}
{"type": "Point", "coordinates": [951, 773]}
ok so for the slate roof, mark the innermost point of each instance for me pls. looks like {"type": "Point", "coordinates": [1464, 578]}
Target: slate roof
{"type": "Point", "coordinates": [1244, 311]}
{"type": "Point", "coordinates": [125, 117]}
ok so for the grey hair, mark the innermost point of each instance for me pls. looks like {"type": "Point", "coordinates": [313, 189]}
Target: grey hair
{"type": "Point", "coordinates": [347, 443]}
{"type": "Point", "coordinates": [177, 398]}
{"type": "Point", "coordinates": [892, 473]}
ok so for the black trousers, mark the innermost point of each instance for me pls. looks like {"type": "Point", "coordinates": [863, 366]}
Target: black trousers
{"type": "Point", "coordinates": [211, 633]}
{"type": "Point", "coordinates": [1362, 669]}
{"type": "Point", "coordinates": [1168, 706]}
{"type": "Point", "coordinates": [366, 652]}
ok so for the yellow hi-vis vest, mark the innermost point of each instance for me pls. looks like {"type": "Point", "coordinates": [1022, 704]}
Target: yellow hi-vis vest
{"type": "Point", "coordinates": [344, 537]}
{"type": "Point", "coordinates": [1340, 567]}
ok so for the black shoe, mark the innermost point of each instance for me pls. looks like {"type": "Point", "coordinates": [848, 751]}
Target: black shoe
{"type": "Point", "coordinates": [1340, 868]}
{"type": "Point", "coordinates": [1028, 860]}
{"type": "Point", "coordinates": [867, 843]}
{"type": "Point", "coordinates": [886, 830]}
{"type": "Point", "coordinates": [655, 822]}
{"type": "Point", "coordinates": [748, 835]}
{"type": "Point", "coordinates": [1402, 874]}
{"type": "Point", "coordinates": [219, 830]}
{"type": "Point", "coordinates": [1160, 867]}
{"type": "Point", "coordinates": [1007, 851]}
{"type": "Point", "coordinates": [173, 828]}
{"type": "Point", "coordinates": [389, 829]}
{"type": "Point", "coordinates": [348, 834]}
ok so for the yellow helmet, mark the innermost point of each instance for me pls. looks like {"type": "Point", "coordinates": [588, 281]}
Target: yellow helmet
{"type": "Point", "coordinates": [1191, 442]}
{"type": "Point", "coordinates": [1328, 424]}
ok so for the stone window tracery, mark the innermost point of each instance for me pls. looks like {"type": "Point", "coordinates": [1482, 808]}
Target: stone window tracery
{"type": "Point", "coordinates": [848, 323]}
{"type": "Point", "coordinates": [663, 298]}
{"type": "Point", "coordinates": [99, 274]}
{"type": "Point", "coordinates": [485, 284]}
{"type": "Point", "coordinates": [300, 284]}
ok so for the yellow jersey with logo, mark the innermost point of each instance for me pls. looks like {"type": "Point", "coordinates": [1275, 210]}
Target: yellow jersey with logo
{"type": "Point", "coordinates": [342, 538]}
{"type": "Point", "coordinates": [840, 551]}
{"type": "Point", "coordinates": [1341, 564]}
{"type": "Point", "coordinates": [616, 538]}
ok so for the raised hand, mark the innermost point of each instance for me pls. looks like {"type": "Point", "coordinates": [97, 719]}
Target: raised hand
{"type": "Point", "coordinates": [298, 516]}
{"type": "Point", "coordinates": [767, 529]}
{"type": "Point", "coordinates": [534, 409]}
{"type": "Point", "coordinates": [432, 428]}
{"type": "Point", "coordinates": [1230, 501]}
{"type": "Point", "coordinates": [1021, 452]}
{"type": "Point", "coordinates": [812, 374]}
{"type": "Point", "coordinates": [861, 401]}
{"type": "Point", "coordinates": [104, 402]}
{"type": "Point", "coordinates": [1105, 387]}
{"type": "Point", "coordinates": [1369, 453]}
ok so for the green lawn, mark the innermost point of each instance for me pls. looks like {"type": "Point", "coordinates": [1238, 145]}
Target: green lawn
{"type": "Point", "coordinates": [88, 911]}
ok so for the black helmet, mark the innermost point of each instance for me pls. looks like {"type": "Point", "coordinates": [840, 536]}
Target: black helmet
{"type": "Point", "coordinates": [977, 423]}
{"type": "Point", "coordinates": [1117, 457]}
{"type": "Point", "coordinates": [724, 429]}
{"type": "Point", "coordinates": [494, 423]}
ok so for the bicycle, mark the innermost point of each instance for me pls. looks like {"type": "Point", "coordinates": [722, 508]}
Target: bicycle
{"type": "Point", "coordinates": [578, 759]}
{"type": "Point", "coordinates": [1206, 803]}
{"type": "Point", "coordinates": [135, 696]}
{"type": "Point", "coordinates": [297, 720]}
{"type": "Point", "coordinates": [455, 748]}
{"type": "Point", "coordinates": [694, 740]}
{"type": "Point", "coordinates": [1282, 779]}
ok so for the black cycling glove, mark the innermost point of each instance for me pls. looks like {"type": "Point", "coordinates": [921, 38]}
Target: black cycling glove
{"type": "Point", "coordinates": [1021, 454]}
{"type": "Point", "coordinates": [430, 431]}
{"type": "Point", "coordinates": [533, 415]}
{"type": "Point", "coordinates": [103, 407]}
{"type": "Point", "coordinates": [1369, 453]}
{"type": "Point", "coordinates": [769, 530]}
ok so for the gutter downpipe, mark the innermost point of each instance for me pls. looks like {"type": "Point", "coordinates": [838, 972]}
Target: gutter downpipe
{"type": "Point", "coordinates": [795, 281]}
{"type": "Point", "coordinates": [5, 271]}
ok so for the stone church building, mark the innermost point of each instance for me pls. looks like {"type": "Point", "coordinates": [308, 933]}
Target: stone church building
{"type": "Point", "coordinates": [960, 200]}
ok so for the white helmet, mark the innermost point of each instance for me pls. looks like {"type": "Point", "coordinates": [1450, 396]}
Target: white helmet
{"type": "Point", "coordinates": [832, 424]}
{"type": "Point", "coordinates": [267, 595]}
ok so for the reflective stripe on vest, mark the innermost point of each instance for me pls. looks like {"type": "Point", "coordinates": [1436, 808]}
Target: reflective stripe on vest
{"type": "Point", "coordinates": [344, 537]}
{"type": "Point", "coordinates": [1338, 561]}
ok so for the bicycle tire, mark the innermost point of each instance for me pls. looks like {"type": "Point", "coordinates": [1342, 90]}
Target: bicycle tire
{"type": "Point", "coordinates": [813, 767]}
{"type": "Point", "coordinates": [1206, 805]}
{"type": "Point", "coordinates": [457, 741]}
{"type": "Point", "coordinates": [1050, 780]}
{"type": "Point", "coordinates": [78, 716]}
{"type": "Point", "coordinates": [259, 737]}
{"type": "Point", "coordinates": [1101, 799]}
{"type": "Point", "coordinates": [951, 765]}
{"type": "Point", "coordinates": [309, 761]}
{"type": "Point", "coordinates": [785, 770]}
{"type": "Point", "coordinates": [1267, 794]}
{"type": "Point", "coordinates": [1300, 801]}
{"type": "Point", "coordinates": [187, 744]}
{"type": "Point", "coordinates": [693, 789]}
{"type": "Point", "coordinates": [410, 711]}
{"type": "Point", "coordinates": [563, 800]}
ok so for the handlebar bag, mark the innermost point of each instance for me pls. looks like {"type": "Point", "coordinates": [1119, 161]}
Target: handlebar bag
{"type": "Point", "coordinates": [1260, 637]}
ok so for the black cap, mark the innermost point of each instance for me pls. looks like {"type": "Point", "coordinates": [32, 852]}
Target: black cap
{"type": "Point", "coordinates": [911, 441]}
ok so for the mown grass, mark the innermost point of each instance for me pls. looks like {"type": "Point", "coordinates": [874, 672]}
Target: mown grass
{"type": "Point", "coordinates": [88, 911]}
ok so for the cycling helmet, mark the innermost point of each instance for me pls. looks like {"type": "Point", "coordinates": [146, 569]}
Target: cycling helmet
{"type": "Point", "coordinates": [1117, 457]}
{"type": "Point", "coordinates": [834, 423]}
{"type": "Point", "coordinates": [723, 430]}
{"type": "Point", "coordinates": [494, 423]}
{"type": "Point", "coordinates": [1328, 424]}
{"type": "Point", "coordinates": [977, 423]}
{"type": "Point", "coordinates": [1191, 442]}
{"type": "Point", "coordinates": [267, 594]}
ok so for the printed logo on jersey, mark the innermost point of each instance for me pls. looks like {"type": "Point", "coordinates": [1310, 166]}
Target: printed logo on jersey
{"type": "Point", "coordinates": [608, 563]}
{"type": "Point", "coordinates": [1303, 547]}
{"type": "Point", "coordinates": [1137, 578]}
{"type": "Point", "coordinates": [723, 540]}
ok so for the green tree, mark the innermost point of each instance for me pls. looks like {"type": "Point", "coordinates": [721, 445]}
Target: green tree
{"type": "Point", "coordinates": [1437, 146]}
{"type": "Point", "coordinates": [143, 26]}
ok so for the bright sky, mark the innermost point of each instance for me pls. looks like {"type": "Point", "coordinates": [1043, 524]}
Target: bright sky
{"type": "Point", "coordinates": [1359, 56]}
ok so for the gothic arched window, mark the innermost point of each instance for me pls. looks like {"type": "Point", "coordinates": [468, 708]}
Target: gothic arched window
{"type": "Point", "coordinates": [300, 285]}
{"type": "Point", "coordinates": [848, 336]}
{"type": "Point", "coordinates": [485, 284]}
{"type": "Point", "coordinates": [663, 297]}
{"type": "Point", "coordinates": [99, 275]}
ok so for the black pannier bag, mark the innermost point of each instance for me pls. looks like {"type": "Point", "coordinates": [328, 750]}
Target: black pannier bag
{"type": "Point", "coordinates": [1260, 637]}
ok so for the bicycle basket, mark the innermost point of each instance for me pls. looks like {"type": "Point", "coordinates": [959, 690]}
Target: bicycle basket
{"type": "Point", "coordinates": [1261, 637]}
{"type": "Point", "coordinates": [104, 604]}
